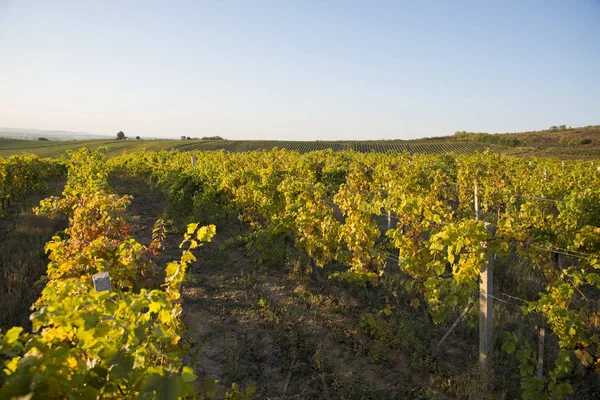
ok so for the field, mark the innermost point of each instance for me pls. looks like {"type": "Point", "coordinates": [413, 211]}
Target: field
{"type": "Point", "coordinates": [56, 148]}
{"type": "Point", "coordinates": [571, 143]}
{"type": "Point", "coordinates": [318, 275]}
{"type": "Point", "coordinates": [377, 146]}
{"type": "Point", "coordinates": [9, 147]}
{"type": "Point", "coordinates": [577, 143]}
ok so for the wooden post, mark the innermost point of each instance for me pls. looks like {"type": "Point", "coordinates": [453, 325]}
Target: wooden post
{"type": "Point", "coordinates": [545, 174]}
{"type": "Point", "coordinates": [476, 199]}
{"type": "Point", "coordinates": [561, 261]}
{"type": "Point", "coordinates": [486, 308]}
{"type": "Point", "coordinates": [389, 217]}
{"type": "Point", "coordinates": [460, 317]}
{"type": "Point", "coordinates": [102, 282]}
{"type": "Point", "coordinates": [540, 375]}
{"type": "Point", "coordinates": [193, 160]}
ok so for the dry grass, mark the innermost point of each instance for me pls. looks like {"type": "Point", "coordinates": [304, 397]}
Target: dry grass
{"type": "Point", "coordinates": [23, 261]}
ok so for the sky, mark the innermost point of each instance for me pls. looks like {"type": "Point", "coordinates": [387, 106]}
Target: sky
{"type": "Point", "coordinates": [299, 69]}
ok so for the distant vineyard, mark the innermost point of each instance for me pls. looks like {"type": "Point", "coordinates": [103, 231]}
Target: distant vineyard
{"type": "Point", "coordinates": [238, 146]}
{"type": "Point", "coordinates": [422, 147]}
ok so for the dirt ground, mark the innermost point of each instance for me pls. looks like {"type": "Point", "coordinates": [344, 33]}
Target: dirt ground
{"type": "Point", "coordinates": [289, 335]}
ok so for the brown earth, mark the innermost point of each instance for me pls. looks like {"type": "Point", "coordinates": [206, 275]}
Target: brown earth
{"type": "Point", "coordinates": [282, 332]}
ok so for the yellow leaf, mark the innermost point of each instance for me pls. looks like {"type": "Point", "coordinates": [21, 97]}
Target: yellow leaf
{"type": "Point", "coordinates": [72, 362]}
{"type": "Point", "coordinates": [155, 306]}
{"type": "Point", "coordinates": [165, 316]}
{"type": "Point", "coordinates": [11, 366]}
{"type": "Point", "coordinates": [13, 334]}
{"type": "Point", "coordinates": [191, 228]}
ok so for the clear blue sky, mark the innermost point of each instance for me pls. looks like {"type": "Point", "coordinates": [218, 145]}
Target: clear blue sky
{"type": "Point", "coordinates": [299, 69]}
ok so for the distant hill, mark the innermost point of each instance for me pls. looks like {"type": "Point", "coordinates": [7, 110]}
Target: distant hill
{"type": "Point", "coordinates": [576, 142]}
{"type": "Point", "coordinates": [56, 148]}
{"type": "Point", "coordinates": [34, 134]}
{"type": "Point", "coordinates": [563, 143]}
{"type": "Point", "coordinates": [557, 137]}
{"type": "Point", "coordinates": [559, 141]}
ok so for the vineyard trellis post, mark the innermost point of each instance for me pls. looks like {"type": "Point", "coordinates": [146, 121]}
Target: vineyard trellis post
{"type": "Point", "coordinates": [476, 200]}
{"type": "Point", "coordinates": [486, 301]}
{"type": "Point", "coordinates": [486, 307]}
{"type": "Point", "coordinates": [540, 372]}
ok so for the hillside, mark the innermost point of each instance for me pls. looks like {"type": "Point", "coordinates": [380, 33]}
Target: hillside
{"type": "Point", "coordinates": [581, 142]}
{"type": "Point", "coordinates": [57, 148]}
{"type": "Point", "coordinates": [9, 147]}
{"type": "Point", "coordinates": [33, 134]}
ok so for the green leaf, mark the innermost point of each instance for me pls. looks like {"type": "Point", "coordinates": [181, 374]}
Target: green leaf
{"type": "Point", "coordinates": [188, 375]}
{"type": "Point", "coordinates": [122, 365]}
{"type": "Point", "coordinates": [164, 387]}
{"type": "Point", "coordinates": [508, 347]}
{"type": "Point", "coordinates": [208, 386]}
{"type": "Point", "coordinates": [102, 329]}
{"type": "Point", "coordinates": [96, 378]}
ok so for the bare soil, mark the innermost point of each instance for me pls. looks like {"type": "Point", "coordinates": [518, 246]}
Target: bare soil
{"type": "Point", "coordinates": [278, 329]}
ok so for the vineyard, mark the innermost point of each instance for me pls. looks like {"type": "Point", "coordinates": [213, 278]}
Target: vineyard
{"type": "Point", "coordinates": [377, 146]}
{"type": "Point", "coordinates": [57, 148]}
{"type": "Point", "coordinates": [444, 145]}
{"type": "Point", "coordinates": [397, 244]}
{"type": "Point", "coordinates": [238, 146]}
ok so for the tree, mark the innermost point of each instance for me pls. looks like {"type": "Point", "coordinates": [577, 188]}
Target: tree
{"type": "Point", "coordinates": [137, 138]}
{"type": "Point", "coordinates": [120, 135]}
